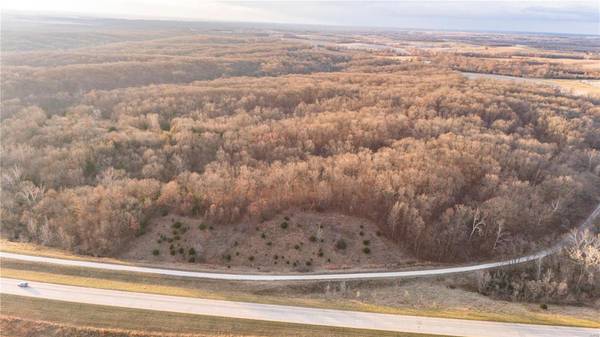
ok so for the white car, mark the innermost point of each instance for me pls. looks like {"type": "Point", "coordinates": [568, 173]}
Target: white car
{"type": "Point", "coordinates": [23, 284]}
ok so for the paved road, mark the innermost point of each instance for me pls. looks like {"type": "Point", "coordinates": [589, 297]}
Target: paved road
{"type": "Point", "coordinates": [264, 276]}
{"type": "Point", "coordinates": [299, 277]}
{"type": "Point", "coordinates": [280, 313]}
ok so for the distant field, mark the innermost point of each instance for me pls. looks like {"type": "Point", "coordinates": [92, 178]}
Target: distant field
{"type": "Point", "coordinates": [577, 87]}
{"type": "Point", "coordinates": [591, 64]}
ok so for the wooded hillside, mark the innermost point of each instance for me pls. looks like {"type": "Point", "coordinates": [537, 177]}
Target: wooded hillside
{"type": "Point", "coordinates": [98, 140]}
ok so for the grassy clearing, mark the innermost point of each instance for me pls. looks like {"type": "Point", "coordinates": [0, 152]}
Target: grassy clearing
{"type": "Point", "coordinates": [253, 292]}
{"type": "Point", "coordinates": [39, 250]}
{"type": "Point", "coordinates": [88, 317]}
{"type": "Point", "coordinates": [581, 87]}
{"type": "Point", "coordinates": [577, 87]}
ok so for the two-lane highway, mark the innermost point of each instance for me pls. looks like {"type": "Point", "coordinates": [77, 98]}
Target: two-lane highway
{"type": "Point", "coordinates": [290, 314]}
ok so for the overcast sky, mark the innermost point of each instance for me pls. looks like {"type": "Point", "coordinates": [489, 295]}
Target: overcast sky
{"type": "Point", "coordinates": [581, 17]}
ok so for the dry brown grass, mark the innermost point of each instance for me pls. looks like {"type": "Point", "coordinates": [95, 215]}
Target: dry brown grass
{"type": "Point", "coordinates": [308, 243]}
{"type": "Point", "coordinates": [28, 248]}
{"type": "Point", "coordinates": [438, 297]}
{"type": "Point", "coordinates": [31, 317]}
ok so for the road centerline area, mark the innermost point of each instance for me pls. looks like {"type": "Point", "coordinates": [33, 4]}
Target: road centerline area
{"type": "Point", "coordinates": [289, 314]}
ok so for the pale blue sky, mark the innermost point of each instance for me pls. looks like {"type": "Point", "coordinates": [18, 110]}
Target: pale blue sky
{"type": "Point", "coordinates": [581, 17]}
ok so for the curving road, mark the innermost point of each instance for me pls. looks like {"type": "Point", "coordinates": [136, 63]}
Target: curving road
{"type": "Point", "coordinates": [268, 277]}
{"type": "Point", "coordinates": [290, 314]}
{"type": "Point", "coordinates": [300, 277]}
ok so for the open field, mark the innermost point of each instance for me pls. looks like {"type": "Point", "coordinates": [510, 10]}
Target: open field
{"type": "Point", "coordinates": [40, 250]}
{"type": "Point", "coordinates": [307, 243]}
{"type": "Point", "coordinates": [446, 297]}
{"type": "Point", "coordinates": [57, 318]}
{"type": "Point", "coordinates": [576, 87]}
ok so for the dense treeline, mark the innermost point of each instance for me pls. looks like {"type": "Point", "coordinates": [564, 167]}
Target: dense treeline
{"type": "Point", "coordinates": [54, 80]}
{"type": "Point", "coordinates": [451, 168]}
{"type": "Point", "coordinates": [571, 276]}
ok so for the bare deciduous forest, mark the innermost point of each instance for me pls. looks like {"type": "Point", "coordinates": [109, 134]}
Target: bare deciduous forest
{"type": "Point", "coordinates": [233, 125]}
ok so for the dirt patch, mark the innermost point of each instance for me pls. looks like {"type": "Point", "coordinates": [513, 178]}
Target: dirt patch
{"type": "Point", "coordinates": [295, 241]}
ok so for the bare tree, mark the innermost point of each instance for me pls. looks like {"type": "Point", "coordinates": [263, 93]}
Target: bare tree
{"type": "Point", "coordinates": [477, 224]}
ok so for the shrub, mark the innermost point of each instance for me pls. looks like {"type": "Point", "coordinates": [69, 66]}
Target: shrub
{"type": "Point", "coordinates": [308, 263]}
{"type": "Point", "coordinates": [313, 238]}
{"type": "Point", "coordinates": [201, 226]}
{"type": "Point", "coordinates": [297, 247]}
{"type": "Point", "coordinates": [181, 251]}
{"type": "Point", "coordinates": [263, 236]}
{"type": "Point", "coordinates": [177, 225]}
{"type": "Point", "coordinates": [544, 306]}
{"type": "Point", "coordinates": [192, 251]}
{"type": "Point", "coordinates": [173, 252]}
{"type": "Point", "coordinates": [192, 259]}
{"type": "Point", "coordinates": [165, 125]}
{"type": "Point", "coordinates": [366, 250]}
{"type": "Point", "coordinates": [284, 225]}
{"type": "Point", "coordinates": [177, 237]}
{"type": "Point", "coordinates": [366, 242]}
{"type": "Point", "coordinates": [340, 244]}
{"type": "Point", "coordinates": [361, 233]}
{"type": "Point", "coordinates": [250, 258]}
{"type": "Point", "coordinates": [378, 233]}
{"type": "Point", "coordinates": [156, 252]}
{"type": "Point", "coordinates": [269, 243]}
{"type": "Point", "coordinates": [210, 228]}
{"type": "Point", "coordinates": [286, 218]}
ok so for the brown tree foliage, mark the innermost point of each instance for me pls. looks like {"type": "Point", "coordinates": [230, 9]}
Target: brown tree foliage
{"type": "Point", "coordinates": [95, 142]}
